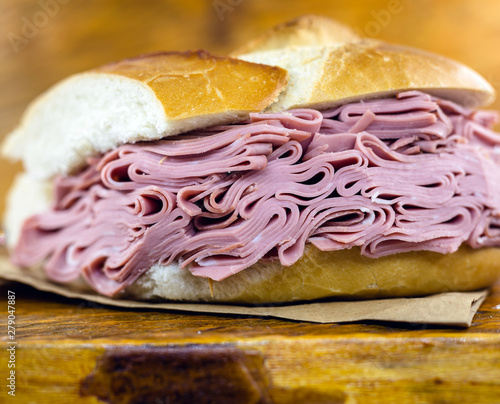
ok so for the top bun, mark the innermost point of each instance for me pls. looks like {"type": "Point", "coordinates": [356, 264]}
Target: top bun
{"type": "Point", "coordinates": [330, 65]}
{"type": "Point", "coordinates": [144, 98]}
{"type": "Point", "coordinates": [305, 31]}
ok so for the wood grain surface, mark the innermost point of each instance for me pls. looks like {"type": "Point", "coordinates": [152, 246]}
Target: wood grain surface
{"type": "Point", "coordinates": [72, 351]}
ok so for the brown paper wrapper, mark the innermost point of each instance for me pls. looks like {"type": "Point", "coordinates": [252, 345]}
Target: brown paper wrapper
{"type": "Point", "coordinates": [450, 309]}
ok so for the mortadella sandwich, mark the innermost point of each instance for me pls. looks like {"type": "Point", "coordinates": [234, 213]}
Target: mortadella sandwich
{"type": "Point", "coordinates": [310, 164]}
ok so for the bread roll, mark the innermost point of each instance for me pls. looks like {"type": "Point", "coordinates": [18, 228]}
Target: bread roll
{"type": "Point", "coordinates": [319, 274]}
{"type": "Point", "coordinates": [144, 98]}
{"type": "Point", "coordinates": [329, 65]}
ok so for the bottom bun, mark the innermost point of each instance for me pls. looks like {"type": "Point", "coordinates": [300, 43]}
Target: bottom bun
{"type": "Point", "coordinates": [344, 274]}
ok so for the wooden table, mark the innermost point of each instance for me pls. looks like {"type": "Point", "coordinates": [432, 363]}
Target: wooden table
{"type": "Point", "coordinates": [72, 351]}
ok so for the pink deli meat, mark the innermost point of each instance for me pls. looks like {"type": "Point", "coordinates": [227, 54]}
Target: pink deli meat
{"type": "Point", "coordinates": [391, 175]}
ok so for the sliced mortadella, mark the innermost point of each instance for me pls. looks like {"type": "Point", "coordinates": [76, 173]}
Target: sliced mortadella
{"type": "Point", "coordinates": [406, 173]}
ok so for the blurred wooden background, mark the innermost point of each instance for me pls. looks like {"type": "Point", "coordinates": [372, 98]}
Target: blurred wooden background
{"type": "Point", "coordinates": [42, 41]}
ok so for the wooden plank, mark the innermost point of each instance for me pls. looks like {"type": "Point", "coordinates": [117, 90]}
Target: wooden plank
{"type": "Point", "coordinates": [74, 351]}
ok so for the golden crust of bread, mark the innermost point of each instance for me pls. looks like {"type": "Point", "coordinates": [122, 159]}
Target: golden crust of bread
{"type": "Point", "coordinates": [362, 68]}
{"type": "Point", "coordinates": [306, 30]}
{"type": "Point", "coordinates": [335, 274]}
{"type": "Point", "coordinates": [194, 83]}
{"type": "Point", "coordinates": [330, 65]}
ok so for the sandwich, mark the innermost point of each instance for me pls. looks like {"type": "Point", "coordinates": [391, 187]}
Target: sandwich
{"type": "Point", "coordinates": [309, 164]}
